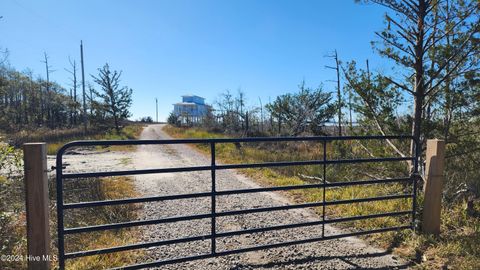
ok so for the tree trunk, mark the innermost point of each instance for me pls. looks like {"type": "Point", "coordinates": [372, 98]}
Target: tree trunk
{"type": "Point", "coordinates": [115, 118]}
{"type": "Point", "coordinates": [419, 87]}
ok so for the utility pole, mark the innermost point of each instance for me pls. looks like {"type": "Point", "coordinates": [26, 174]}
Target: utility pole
{"type": "Point", "coordinates": [339, 93]}
{"type": "Point", "coordinates": [156, 108]}
{"type": "Point", "coordinates": [83, 91]}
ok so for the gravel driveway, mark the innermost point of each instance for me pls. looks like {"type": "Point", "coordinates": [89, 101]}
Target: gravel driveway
{"type": "Point", "coordinates": [347, 253]}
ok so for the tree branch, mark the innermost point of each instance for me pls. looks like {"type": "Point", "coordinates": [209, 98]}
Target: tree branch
{"type": "Point", "coordinates": [447, 62]}
{"type": "Point", "coordinates": [374, 116]}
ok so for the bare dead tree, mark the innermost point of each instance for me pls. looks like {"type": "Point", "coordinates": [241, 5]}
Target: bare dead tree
{"type": "Point", "coordinates": [74, 85]}
{"type": "Point", "coordinates": [339, 92]}
{"type": "Point", "coordinates": [48, 70]}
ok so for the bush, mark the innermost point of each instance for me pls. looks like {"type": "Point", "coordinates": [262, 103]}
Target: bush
{"type": "Point", "coordinates": [173, 119]}
{"type": "Point", "coordinates": [12, 206]}
{"type": "Point", "coordinates": [146, 119]}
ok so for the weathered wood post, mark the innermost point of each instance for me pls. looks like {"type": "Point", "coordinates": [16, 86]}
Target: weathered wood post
{"type": "Point", "coordinates": [37, 202]}
{"type": "Point", "coordinates": [433, 187]}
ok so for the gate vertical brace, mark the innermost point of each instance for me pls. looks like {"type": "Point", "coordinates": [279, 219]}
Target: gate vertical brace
{"type": "Point", "coordinates": [324, 183]}
{"type": "Point", "coordinates": [213, 199]}
{"type": "Point", "coordinates": [415, 175]}
{"type": "Point", "coordinates": [60, 228]}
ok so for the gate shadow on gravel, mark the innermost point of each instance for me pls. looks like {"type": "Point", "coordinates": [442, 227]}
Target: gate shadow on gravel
{"type": "Point", "coordinates": [348, 259]}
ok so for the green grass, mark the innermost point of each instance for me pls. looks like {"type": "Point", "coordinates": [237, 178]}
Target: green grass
{"type": "Point", "coordinates": [456, 247]}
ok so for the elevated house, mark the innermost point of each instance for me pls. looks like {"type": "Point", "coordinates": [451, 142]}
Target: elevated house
{"type": "Point", "coordinates": [192, 109]}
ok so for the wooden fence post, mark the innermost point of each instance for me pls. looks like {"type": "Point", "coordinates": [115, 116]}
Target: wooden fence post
{"type": "Point", "coordinates": [433, 187]}
{"type": "Point", "coordinates": [37, 202]}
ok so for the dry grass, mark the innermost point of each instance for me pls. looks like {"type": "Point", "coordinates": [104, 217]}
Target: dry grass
{"type": "Point", "coordinates": [127, 133]}
{"type": "Point", "coordinates": [103, 189]}
{"type": "Point", "coordinates": [456, 248]}
{"type": "Point", "coordinates": [12, 213]}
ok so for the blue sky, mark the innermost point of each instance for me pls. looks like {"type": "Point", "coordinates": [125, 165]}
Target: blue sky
{"type": "Point", "coordinates": [169, 48]}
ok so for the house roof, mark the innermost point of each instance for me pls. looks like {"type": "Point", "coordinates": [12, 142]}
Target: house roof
{"type": "Point", "coordinates": [187, 104]}
{"type": "Point", "coordinates": [193, 96]}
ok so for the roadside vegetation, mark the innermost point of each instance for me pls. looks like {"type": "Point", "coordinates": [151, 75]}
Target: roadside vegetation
{"type": "Point", "coordinates": [128, 132]}
{"type": "Point", "coordinates": [432, 92]}
{"type": "Point", "coordinates": [456, 247]}
{"type": "Point", "coordinates": [97, 190]}
{"type": "Point", "coordinates": [39, 110]}
{"type": "Point", "coordinates": [13, 220]}
{"type": "Point", "coordinates": [12, 206]}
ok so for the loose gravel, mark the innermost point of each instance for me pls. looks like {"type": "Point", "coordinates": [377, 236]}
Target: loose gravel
{"type": "Point", "coordinates": [345, 253]}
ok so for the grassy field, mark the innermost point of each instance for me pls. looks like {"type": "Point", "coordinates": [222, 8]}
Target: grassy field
{"type": "Point", "coordinates": [455, 248]}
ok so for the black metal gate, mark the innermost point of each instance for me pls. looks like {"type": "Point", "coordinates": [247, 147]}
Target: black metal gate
{"type": "Point", "coordinates": [213, 194]}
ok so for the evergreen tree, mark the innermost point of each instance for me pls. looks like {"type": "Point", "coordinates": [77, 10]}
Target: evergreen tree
{"type": "Point", "coordinates": [116, 99]}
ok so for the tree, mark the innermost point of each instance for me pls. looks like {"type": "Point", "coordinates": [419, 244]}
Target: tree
{"type": "Point", "coordinates": [435, 45]}
{"type": "Point", "coordinates": [173, 119]}
{"type": "Point", "coordinates": [74, 85]}
{"type": "Point", "coordinates": [375, 102]}
{"type": "Point", "coordinates": [339, 93]}
{"type": "Point", "coordinates": [48, 70]}
{"type": "Point", "coordinates": [414, 35]}
{"type": "Point", "coordinates": [3, 56]}
{"type": "Point", "coordinates": [146, 119]}
{"type": "Point", "coordinates": [116, 99]}
{"type": "Point", "coordinates": [231, 112]}
{"type": "Point", "coordinates": [309, 108]}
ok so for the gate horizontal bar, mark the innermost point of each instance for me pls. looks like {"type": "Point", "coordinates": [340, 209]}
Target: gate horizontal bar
{"type": "Point", "coordinates": [214, 194]}
{"type": "Point", "coordinates": [226, 234]}
{"type": "Point", "coordinates": [315, 204]}
{"type": "Point", "coordinates": [234, 166]}
{"type": "Point", "coordinates": [309, 162]}
{"type": "Point", "coordinates": [133, 224]}
{"type": "Point", "coordinates": [230, 192]}
{"type": "Point", "coordinates": [320, 185]}
{"type": "Point", "coordinates": [311, 240]}
{"type": "Point", "coordinates": [228, 140]}
{"type": "Point", "coordinates": [135, 172]}
{"type": "Point", "coordinates": [136, 200]}
{"type": "Point", "coordinates": [86, 253]}
{"type": "Point", "coordinates": [371, 199]}
{"type": "Point", "coordinates": [227, 213]}
{"type": "Point", "coordinates": [255, 248]}
{"type": "Point", "coordinates": [311, 223]}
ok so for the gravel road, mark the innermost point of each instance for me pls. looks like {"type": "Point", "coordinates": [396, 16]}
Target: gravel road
{"type": "Point", "coordinates": [347, 253]}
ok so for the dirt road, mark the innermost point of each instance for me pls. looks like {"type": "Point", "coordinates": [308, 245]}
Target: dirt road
{"type": "Point", "coordinates": [347, 253]}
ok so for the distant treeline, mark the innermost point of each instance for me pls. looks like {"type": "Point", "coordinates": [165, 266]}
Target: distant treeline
{"type": "Point", "coordinates": [28, 102]}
